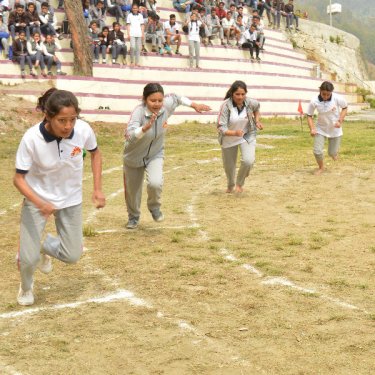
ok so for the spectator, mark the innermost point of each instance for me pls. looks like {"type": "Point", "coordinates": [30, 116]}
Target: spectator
{"type": "Point", "coordinates": [49, 52]}
{"type": "Point", "coordinates": [183, 6]}
{"type": "Point", "coordinates": [4, 37]}
{"type": "Point", "coordinates": [98, 14]}
{"type": "Point", "coordinates": [95, 42]}
{"type": "Point", "coordinates": [250, 41]}
{"type": "Point", "coordinates": [135, 28]}
{"type": "Point", "coordinates": [229, 28]}
{"type": "Point", "coordinates": [114, 9]}
{"type": "Point", "coordinates": [290, 16]}
{"type": "Point", "coordinates": [4, 10]}
{"type": "Point", "coordinates": [267, 5]}
{"type": "Point", "coordinates": [48, 20]}
{"type": "Point", "coordinates": [194, 26]}
{"type": "Point", "coordinates": [214, 27]}
{"type": "Point", "coordinates": [260, 31]}
{"type": "Point", "coordinates": [150, 33]}
{"type": "Point", "coordinates": [104, 43]}
{"type": "Point", "coordinates": [86, 12]}
{"type": "Point", "coordinates": [277, 6]}
{"type": "Point", "coordinates": [18, 21]}
{"type": "Point", "coordinates": [233, 9]}
{"type": "Point", "coordinates": [117, 40]}
{"type": "Point", "coordinates": [203, 31]}
{"type": "Point", "coordinates": [33, 18]}
{"type": "Point", "coordinates": [35, 50]}
{"type": "Point", "coordinates": [240, 27]}
{"type": "Point", "coordinates": [172, 33]}
{"type": "Point", "coordinates": [20, 54]}
{"type": "Point", "coordinates": [220, 11]}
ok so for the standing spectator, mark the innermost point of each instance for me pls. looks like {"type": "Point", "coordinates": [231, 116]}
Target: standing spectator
{"type": "Point", "coordinates": [20, 54]}
{"type": "Point", "coordinates": [135, 28]}
{"type": "Point", "coordinates": [144, 149]}
{"type": "Point", "coordinates": [194, 26]}
{"type": "Point", "coordinates": [277, 6]}
{"type": "Point", "coordinates": [4, 37]}
{"type": "Point", "coordinates": [95, 42]}
{"type": "Point", "coordinates": [290, 16]}
{"type": "Point", "coordinates": [86, 12]}
{"type": "Point", "coordinates": [117, 40]}
{"type": "Point", "coordinates": [50, 46]}
{"type": "Point", "coordinates": [98, 14]}
{"type": "Point", "coordinates": [238, 122]}
{"type": "Point", "coordinates": [35, 50]}
{"type": "Point", "coordinates": [260, 31]}
{"type": "Point", "coordinates": [18, 21]}
{"type": "Point", "coordinates": [332, 109]}
{"type": "Point", "coordinates": [172, 33]}
{"type": "Point", "coordinates": [214, 27]}
{"type": "Point", "coordinates": [51, 182]}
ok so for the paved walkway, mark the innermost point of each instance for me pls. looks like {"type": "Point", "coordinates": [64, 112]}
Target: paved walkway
{"type": "Point", "coordinates": [365, 115]}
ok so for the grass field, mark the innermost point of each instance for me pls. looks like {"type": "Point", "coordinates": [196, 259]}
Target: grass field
{"type": "Point", "coordinates": [278, 280]}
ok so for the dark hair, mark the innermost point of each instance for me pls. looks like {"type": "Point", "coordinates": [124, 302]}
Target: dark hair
{"type": "Point", "coordinates": [172, 16]}
{"type": "Point", "coordinates": [326, 86]}
{"type": "Point", "coordinates": [151, 88]}
{"type": "Point", "coordinates": [53, 100]}
{"type": "Point", "coordinates": [115, 24]}
{"type": "Point", "coordinates": [19, 6]}
{"type": "Point", "coordinates": [45, 4]}
{"type": "Point", "coordinates": [235, 86]}
{"type": "Point", "coordinates": [105, 28]}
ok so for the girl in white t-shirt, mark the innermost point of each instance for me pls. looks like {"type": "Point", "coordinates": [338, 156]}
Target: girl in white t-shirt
{"type": "Point", "coordinates": [136, 28]}
{"type": "Point", "coordinates": [332, 109]}
{"type": "Point", "coordinates": [194, 26]}
{"type": "Point", "coordinates": [49, 167]}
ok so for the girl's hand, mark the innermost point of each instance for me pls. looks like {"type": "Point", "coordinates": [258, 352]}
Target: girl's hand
{"type": "Point", "coordinates": [259, 125]}
{"type": "Point", "coordinates": [239, 133]}
{"type": "Point", "coordinates": [149, 124]}
{"type": "Point", "coordinates": [46, 209]}
{"type": "Point", "coordinates": [338, 124]}
{"type": "Point", "coordinates": [313, 132]}
{"type": "Point", "coordinates": [98, 198]}
{"type": "Point", "coordinates": [200, 107]}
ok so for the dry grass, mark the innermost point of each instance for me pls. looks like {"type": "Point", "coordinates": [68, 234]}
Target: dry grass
{"type": "Point", "coordinates": [314, 232]}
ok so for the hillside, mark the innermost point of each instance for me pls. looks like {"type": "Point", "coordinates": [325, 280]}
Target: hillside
{"type": "Point", "coordinates": [356, 18]}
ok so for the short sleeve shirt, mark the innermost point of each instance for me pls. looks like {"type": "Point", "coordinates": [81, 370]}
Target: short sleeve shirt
{"type": "Point", "coordinates": [53, 167]}
{"type": "Point", "coordinates": [172, 29]}
{"type": "Point", "coordinates": [135, 21]}
{"type": "Point", "coordinates": [328, 114]}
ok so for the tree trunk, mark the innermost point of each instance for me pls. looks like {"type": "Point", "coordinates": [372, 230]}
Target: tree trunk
{"type": "Point", "coordinates": [79, 31]}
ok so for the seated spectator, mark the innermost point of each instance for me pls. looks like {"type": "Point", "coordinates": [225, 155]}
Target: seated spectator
{"type": "Point", "coordinates": [183, 6]}
{"type": "Point", "coordinates": [245, 19]}
{"type": "Point", "coordinates": [33, 18]}
{"type": "Point", "coordinates": [95, 42]}
{"type": "Point", "coordinates": [20, 54]}
{"type": "Point", "coordinates": [48, 20]}
{"type": "Point", "coordinates": [114, 9]}
{"type": "Point", "coordinates": [104, 43]}
{"type": "Point", "coordinates": [220, 11]}
{"type": "Point", "coordinates": [260, 31]}
{"type": "Point", "coordinates": [250, 41]}
{"type": "Point", "coordinates": [35, 51]}
{"type": "Point", "coordinates": [290, 16]}
{"type": "Point", "coordinates": [4, 37]}
{"type": "Point", "coordinates": [150, 32]}
{"type": "Point", "coordinates": [214, 27]}
{"type": "Point", "coordinates": [233, 9]}
{"type": "Point", "coordinates": [18, 21]}
{"type": "Point", "coordinates": [229, 27]}
{"type": "Point", "coordinates": [267, 5]}
{"type": "Point", "coordinates": [203, 32]}
{"type": "Point", "coordinates": [86, 12]}
{"type": "Point", "coordinates": [126, 7]}
{"type": "Point", "coordinates": [4, 10]}
{"type": "Point", "coordinates": [50, 46]}
{"type": "Point", "coordinates": [240, 27]}
{"type": "Point", "coordinates": [151, 6]}
{"type": "Point", "coordinates": [117, 40]}
{"type": "Point", "coordinates": [172, 33]}
{"type": "Point", "coordinates": [97, 13]}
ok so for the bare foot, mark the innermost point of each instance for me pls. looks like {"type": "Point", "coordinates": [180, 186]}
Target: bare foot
{"type": "Point", "coordinates": [132, 65]}
{"type": "Point", "coordinates": [335, 157]}
{"type": "Point", "coordinates": [229, 190]}
{"type": "Point", "coordinates": [318, 171]}
{"type": "Point", "coordinates": [238, 189]}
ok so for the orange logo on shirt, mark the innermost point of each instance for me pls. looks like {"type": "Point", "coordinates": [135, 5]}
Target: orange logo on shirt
{"type": "Point", "coordinates": [76, 151]}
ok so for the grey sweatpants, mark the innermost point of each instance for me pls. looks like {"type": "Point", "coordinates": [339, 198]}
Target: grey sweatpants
{"type": "Point", "coordinates": [230, 160]}
{"type": "Point", "coordinates": [67, 247]}
{"type": "Point", "coordinates": [135, 49]}
{"type": "Point", "coordinates": [194, 46]}
{"type": "Point", "coordinates": [133, 181]}
{"type": "Point", "coordinates": [333, 146]}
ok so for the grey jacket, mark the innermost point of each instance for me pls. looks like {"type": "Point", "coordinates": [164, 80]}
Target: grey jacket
{"type": "Point", "coordinates": [251, 106]}
{"type": "Point", "coordinates": [139, 152]}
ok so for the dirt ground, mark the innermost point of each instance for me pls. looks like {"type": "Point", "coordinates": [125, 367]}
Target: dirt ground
{"type": "Point", "coordinates": [277, 280]}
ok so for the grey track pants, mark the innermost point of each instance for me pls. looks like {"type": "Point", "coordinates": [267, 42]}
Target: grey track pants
{"type": "Point", "coordinates": [230, 160]}
{"type": "Point", "coordinates": [133, 181]}
{"type": "Point", "coordinates": [333, 146]}
{"type": "Point", "coordinates": [194, 46]}
{"type": "Point", "coordinates": [67, 247]}
{"type": "Point", "coordinates": [135, 49]}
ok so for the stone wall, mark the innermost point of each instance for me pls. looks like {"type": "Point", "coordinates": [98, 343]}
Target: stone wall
{"type": "Point", "coordinates": [335, 51]}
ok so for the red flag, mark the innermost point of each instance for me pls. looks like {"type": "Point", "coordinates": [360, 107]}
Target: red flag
{"type": "Point", "coordinates": [300, 110]}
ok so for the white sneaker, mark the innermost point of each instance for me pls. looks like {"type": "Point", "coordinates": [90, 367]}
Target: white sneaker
{"type": "Point", "coordinates": [45, 264]}
{"type": "Point", "coordinates": [25, 298]}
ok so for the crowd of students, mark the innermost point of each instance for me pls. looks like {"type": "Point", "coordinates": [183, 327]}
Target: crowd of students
{"type": "Point", "coordinates": [205, 20]}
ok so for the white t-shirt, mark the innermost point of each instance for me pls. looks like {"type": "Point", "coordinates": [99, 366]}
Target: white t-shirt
{"type": "Point", "coordinates": [172, 29]}
{"type": "Point", "coordinates": [135, 21]}
{"type": "Point", "coordinates": [237, 121]}
{"type": "Point", "coordinates": [227, 23]}
{"type": "Point", "coordinates": [328, 114]}
{"type": "Point", "coordinates": [193, 28]}
{"type": "Point", "coordinates": [53, 167]}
